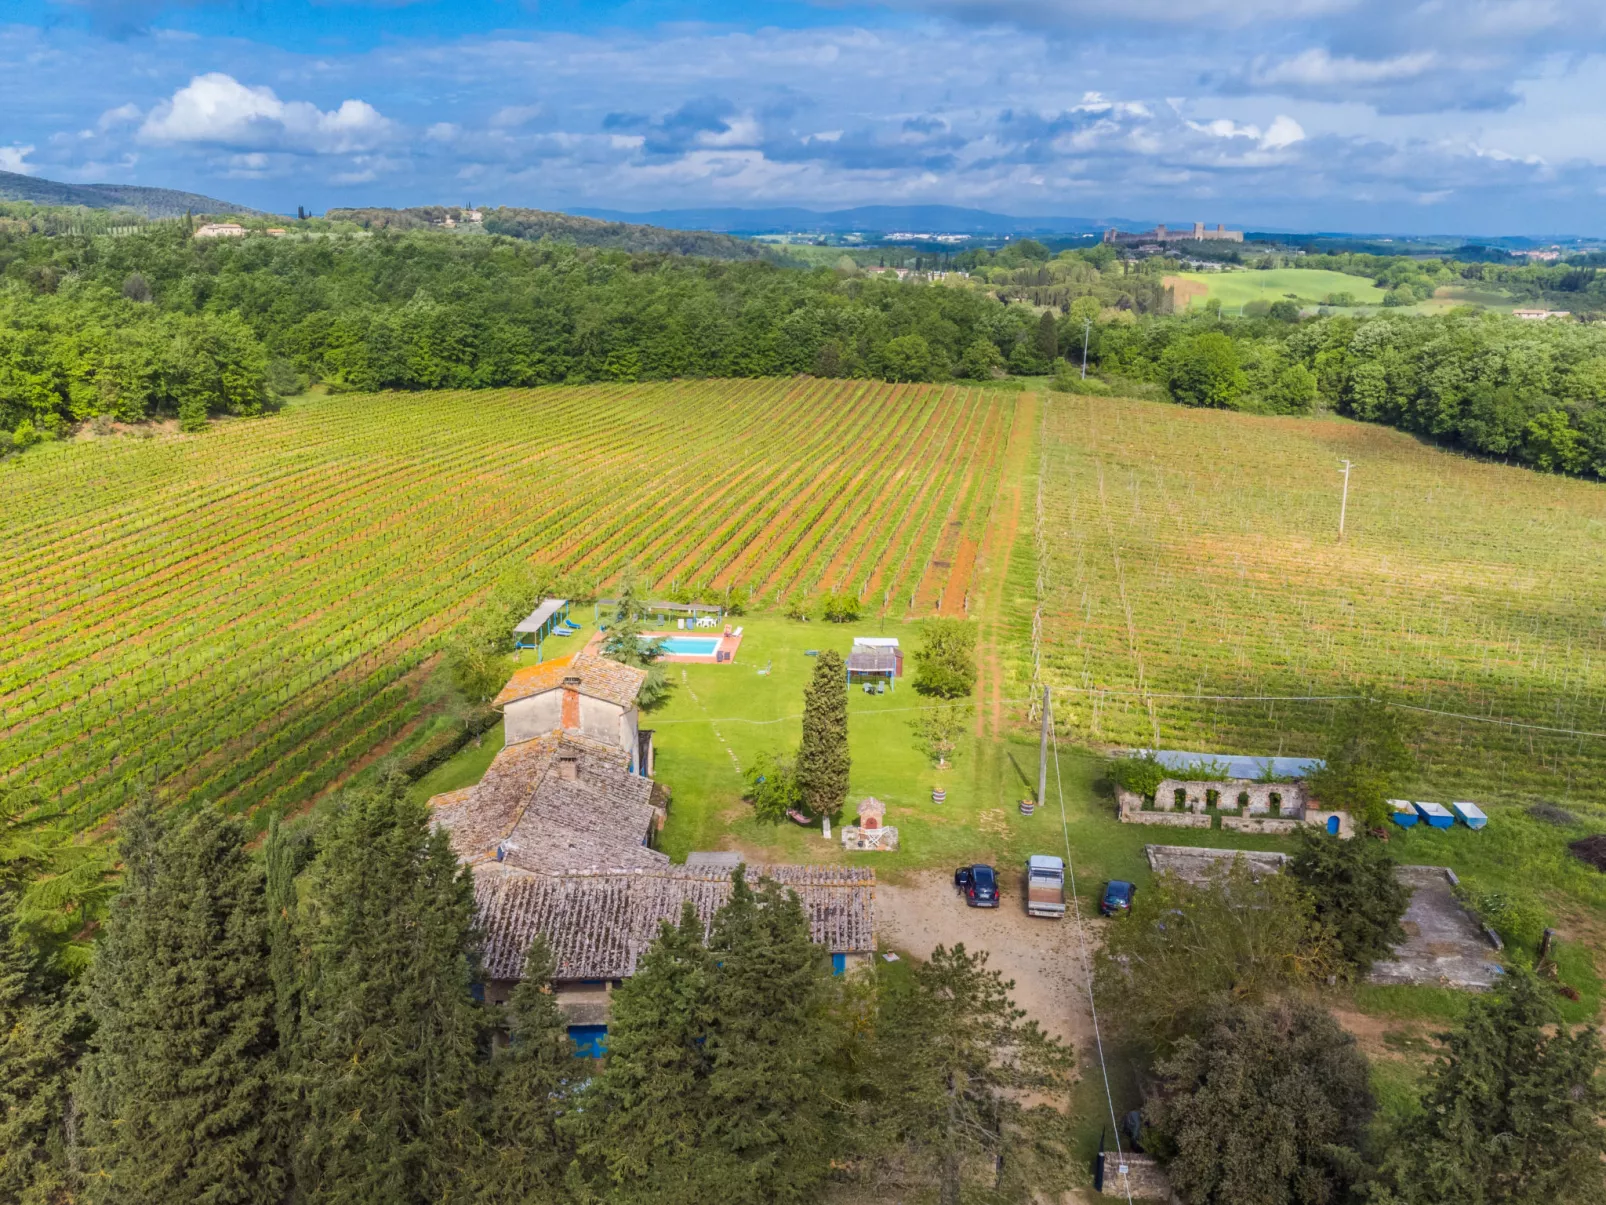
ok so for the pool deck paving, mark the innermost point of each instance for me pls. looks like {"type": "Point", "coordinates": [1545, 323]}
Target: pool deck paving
{"type": "Point", "coordinates": [724, 651]}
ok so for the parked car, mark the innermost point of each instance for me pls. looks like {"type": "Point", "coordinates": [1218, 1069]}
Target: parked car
{"type": "Point", "coordinates": [1118, 895]}
{"type": "Point", "coordinates": [979, 885]}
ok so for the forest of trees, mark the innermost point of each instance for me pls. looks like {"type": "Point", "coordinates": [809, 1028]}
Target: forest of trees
{"type": "Point", "coordinates": [156, 324]}
{"type": "Point", "coordinates": [304, 1023]}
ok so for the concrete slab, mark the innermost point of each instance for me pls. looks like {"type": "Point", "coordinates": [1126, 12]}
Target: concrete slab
{"type": "Point", "coordinates": [1444, 946]}
{"type": "Point", "coordinates": [1196, 864]}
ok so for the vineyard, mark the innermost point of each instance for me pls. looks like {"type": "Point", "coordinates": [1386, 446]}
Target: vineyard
{"type": "Point", "coordinates": [1192, 555]}
{"type": "Point", "coordinates": [241, 615]}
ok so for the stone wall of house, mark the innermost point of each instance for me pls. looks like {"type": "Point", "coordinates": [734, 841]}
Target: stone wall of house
{"type": "Point", "coordinates": [1143, 1181]}
{"type": "Point", "coordinates": [1256, 798]}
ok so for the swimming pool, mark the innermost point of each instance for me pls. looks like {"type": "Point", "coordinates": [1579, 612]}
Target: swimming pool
{"type": "Point", "coordinates": [691, 646]}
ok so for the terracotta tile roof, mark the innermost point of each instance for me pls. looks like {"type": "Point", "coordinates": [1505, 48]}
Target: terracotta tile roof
{"type": "Point", "coordinates": [543, 821]}
{"type": "Point", "coordinates": [599, 677]}
{"type": "Point", "coordinates": [599, 924]}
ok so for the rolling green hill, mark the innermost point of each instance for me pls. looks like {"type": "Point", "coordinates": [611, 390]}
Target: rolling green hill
{"type": "Point", "coordinates": [152, 202]}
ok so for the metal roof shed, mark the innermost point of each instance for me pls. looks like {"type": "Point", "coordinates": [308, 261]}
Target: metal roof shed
{"type": "Point", "coordinates": [538, 624]}
{"type": "Point", "coordinates": [874, 663]}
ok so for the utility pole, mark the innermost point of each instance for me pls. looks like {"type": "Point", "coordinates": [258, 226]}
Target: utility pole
{"type": "Point", "coordinates": [1042, 756]}
{"type": "Point", "coordinates": [1344, 504]}
{"type": "Point", "coordinates": [1087, 330]}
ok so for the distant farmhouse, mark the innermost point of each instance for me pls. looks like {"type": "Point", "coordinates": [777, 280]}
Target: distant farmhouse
{"type": "Point", "coordinates": [1161, 235]}
{"type": "Point", "coordinates": [559, 834]}
{"type": "Point", "coordinates": [220, 230]}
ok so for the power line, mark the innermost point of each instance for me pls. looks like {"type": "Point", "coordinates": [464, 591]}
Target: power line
{"type": "Point", "coordinates": [1087, 970]}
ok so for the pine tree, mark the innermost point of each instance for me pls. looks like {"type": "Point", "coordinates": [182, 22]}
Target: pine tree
{"type": "Point", "coordinates": [822, 758]}
{"type": "Point", "coordinates": [767, 1049]}
{"type": "Point", "coordinates": [386, 1056]}
{"type": "Point", "coordinates": [1512, 1112]}
{"type": "Point", "coordinates": [640, 1123]}
{"type": "Point", "coordinates": [1355, 893]}
{"type": "Point", "coordinates": [958, 1058]}
{"type": "Point", "coordinates": [1266, 1105]}
{"type": "Point", "coordinates": [531, 1079]}
{"type": "Point", "coordinates": [182, 1068]}
{"type": "Point", "coordinates": [43, 1026]}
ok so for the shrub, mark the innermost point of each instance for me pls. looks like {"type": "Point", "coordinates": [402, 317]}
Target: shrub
{"type": "Point", "coordinates": [1513, 912]}
{"type": "Point", "coordinates": [1141, 775]}
{"type": "Point", "coordinates": [946, 661]}
{"type": "Point", "coordinates": [840, 608]}
{"type": "Point", "coordinates": [771, 787]}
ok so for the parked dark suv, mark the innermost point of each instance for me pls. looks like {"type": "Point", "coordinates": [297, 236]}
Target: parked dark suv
{"type": "Point", "coordinates": [980, 885]}
{"type": "Point", "coordinates": [1118, 895]}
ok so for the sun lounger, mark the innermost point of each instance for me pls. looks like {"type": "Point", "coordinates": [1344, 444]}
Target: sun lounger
{"type": "Point", "coordinates": [737, 632]}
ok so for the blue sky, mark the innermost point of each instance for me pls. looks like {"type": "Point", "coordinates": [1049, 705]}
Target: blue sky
{"type": "Point", "coordinates": [1465, 116]}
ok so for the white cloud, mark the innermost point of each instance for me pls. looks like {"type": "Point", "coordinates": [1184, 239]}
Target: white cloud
{"type": "Point", "coordinates": [217, 108]}
{"type": "Point", "coordinates": [12, 159]}
{"type": "Point", "coordinates": [443, 131]}
{"type": "Point", "coordinates": [513, 116]}
{"type": "Point", "coordinates": [122, 115]}
{"type": "Point", "coordinates": [1318, 69]}
{"type": "Point", "coordinates": [1283, 132]}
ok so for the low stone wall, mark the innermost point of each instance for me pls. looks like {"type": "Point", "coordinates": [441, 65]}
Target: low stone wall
{"type": "Point", "coordinates": [1142, 1181]}
{"type": "Point", "coordinates": [1198, 864]}
{"type": "Point", "coordinates": [1280, 827]}
{"type": "Point", "coordinates": [1171, 819]}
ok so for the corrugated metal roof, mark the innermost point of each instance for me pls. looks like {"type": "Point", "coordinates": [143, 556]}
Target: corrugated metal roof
{"type": "Point", "coordinates": [537, 619]}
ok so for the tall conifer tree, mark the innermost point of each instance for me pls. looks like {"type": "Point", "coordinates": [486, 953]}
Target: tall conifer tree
{"type": "Point", "coordinates": [767, 1049]}
{"type": "Point", "coordinates": [386, 1057]}
{"type": "Point", "coordinates": [822, 758]}
{"type": "Point", "coordinates": [42, 1029]}
{"type": "Point", "coordinates": [1512, 1112]}
{"type": "Point", "coordinates": [531, 1079]}
{"type": "Point", "coordinates": [642, 1120]}
{"type": "Point", "coordinates": [181, 1071]}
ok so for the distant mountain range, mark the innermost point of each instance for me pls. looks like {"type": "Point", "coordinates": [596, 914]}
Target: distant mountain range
{"type": "Point", "coordinates": [869, 219]}
{"type": "Point", "coordinates": [152, 202]}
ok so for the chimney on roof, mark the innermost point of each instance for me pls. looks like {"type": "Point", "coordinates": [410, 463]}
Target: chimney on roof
{"type": "Point", "coordinates": [568, 767]}
{"type": "Point", "coordinates": [571, 702]}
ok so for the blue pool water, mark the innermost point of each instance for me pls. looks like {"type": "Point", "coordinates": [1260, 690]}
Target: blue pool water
{"type": "Point", "coordinates": [691, 646]}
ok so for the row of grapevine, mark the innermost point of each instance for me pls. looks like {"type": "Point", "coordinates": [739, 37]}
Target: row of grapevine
{"type": "Point", "coordinates": [1195, 594]}
{"type": "Point", "coordinates": [241, 614]}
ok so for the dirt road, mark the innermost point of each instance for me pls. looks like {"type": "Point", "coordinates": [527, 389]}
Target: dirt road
{"type": "Point", "coordinates": [1039, 955]}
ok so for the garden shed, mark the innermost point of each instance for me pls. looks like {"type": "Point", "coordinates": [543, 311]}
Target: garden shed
{"type": "Point", "coordinates": [875, 659]}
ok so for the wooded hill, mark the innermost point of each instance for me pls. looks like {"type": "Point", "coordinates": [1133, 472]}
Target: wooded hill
{"type": "Point", "coordinates": [151, 202]}
{"type": "Point", "coordinates": [537, 224]}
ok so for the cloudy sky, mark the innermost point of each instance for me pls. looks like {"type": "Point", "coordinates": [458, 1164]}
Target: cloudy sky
{"type": "Point", "coordinates": [1458, 116]}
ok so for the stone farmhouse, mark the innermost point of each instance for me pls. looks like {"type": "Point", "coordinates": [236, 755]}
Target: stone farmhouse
{"type": "Point", "coordinates": [560, 832]}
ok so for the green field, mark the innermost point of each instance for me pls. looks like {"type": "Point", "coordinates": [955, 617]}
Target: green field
{"type": "Point", "coordinates": [1305, 286]}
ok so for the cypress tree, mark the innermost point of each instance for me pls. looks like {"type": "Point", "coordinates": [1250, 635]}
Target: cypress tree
{"type": "Point", "coordinates": [822, 758]}
{"type": "Point", "coordinates": [641, 1121]}
{"type": "Point", "coordinates": [767, 1049]}
{"type": "Point", "coordinates": [181, 1071]}
{"type": "Point", "coordinates": [42, 1030]}
{"type": "Point", "coordinates": [531, 1078]}
{"type": "Point", "coordinates": [385, 1063]}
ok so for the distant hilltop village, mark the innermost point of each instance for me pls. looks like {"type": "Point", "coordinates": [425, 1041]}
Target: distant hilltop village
{"type": "Point", "coordinates": [1161, 235]}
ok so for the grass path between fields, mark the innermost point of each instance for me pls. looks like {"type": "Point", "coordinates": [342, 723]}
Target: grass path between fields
{"type": "Point", "coordinates": [992, 570]}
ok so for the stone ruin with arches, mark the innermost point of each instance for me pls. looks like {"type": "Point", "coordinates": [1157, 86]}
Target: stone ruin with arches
{"type": "Point", "coordinates": [1241, 804]}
